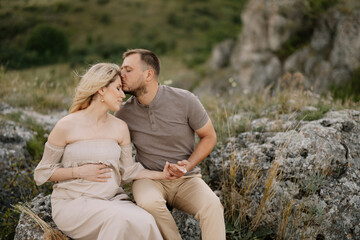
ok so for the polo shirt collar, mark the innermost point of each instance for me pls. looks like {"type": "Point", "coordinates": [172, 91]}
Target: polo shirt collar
{"type": "Point", "coordinates": [155, 100]}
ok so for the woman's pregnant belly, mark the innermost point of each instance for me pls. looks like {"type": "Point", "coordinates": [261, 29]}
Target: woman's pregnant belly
{"type": "Point", "coordinates": [80, 187]}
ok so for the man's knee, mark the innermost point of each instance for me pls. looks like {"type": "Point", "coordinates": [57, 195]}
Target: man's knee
{"type": "Point", "coordinates": [150, 205]}
{"type": "Point", "coordinates": [214, 202]}
{"type": "Point", "coordinates": [212, 207]}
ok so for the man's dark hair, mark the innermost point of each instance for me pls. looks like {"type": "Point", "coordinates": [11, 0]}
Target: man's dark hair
{"type": "Point", "coordinates": [148, 57]}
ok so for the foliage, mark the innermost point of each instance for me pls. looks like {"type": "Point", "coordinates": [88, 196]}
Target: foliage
{"type": "Point", "coordinates": [349, 90]}
{"type": "Point", "coordinates": [47, 42]}
{"type": "Point", "coordinates": [187, 31]}
{"type": "Point", "coordinates": [308, 115]}
{"type": "Point", "coordinates": [16, 182]}
{"type": "Point", "coordinates": [43, 89]}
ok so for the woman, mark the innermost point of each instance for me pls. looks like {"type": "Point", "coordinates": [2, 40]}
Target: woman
{"type": "Point", "coordinates": [88, 155]}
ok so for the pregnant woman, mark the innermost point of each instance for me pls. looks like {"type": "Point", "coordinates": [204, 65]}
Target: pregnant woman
{"type": "Point", "coordinates": [88, 156]}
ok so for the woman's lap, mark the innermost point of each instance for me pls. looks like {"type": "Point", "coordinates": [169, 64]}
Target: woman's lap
{"type": "Point", "coordinates": [86, 218]}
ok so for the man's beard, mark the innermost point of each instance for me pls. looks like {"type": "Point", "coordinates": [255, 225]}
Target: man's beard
{"type": "Point", "coordinates": [139, 91]}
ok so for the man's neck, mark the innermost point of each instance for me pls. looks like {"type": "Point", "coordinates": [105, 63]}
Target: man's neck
{"type": "Point", "coordinates": [148, 97]}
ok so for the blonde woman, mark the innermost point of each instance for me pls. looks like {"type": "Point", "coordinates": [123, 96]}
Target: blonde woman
{"type": "Point", "coordinates": [88, 156]}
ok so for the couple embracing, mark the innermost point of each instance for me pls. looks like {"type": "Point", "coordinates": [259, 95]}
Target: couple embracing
{"type": "Point", "coordinates": [89, 156]}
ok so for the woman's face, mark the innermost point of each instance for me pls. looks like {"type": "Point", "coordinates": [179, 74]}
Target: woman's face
{"type": "Point", "coordinates": [113, 94]}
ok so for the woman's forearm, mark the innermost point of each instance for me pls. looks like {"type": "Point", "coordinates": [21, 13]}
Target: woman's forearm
{"type": "Point", "coordinates": [63, 174]}
{"type": "Point", "coordinates": [150, 174]}
{"type": "Point", "coordinates": [91, 172]}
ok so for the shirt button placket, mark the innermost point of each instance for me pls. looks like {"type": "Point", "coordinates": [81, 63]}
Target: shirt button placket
{"type": "Point", "coordinates": [152, 120]}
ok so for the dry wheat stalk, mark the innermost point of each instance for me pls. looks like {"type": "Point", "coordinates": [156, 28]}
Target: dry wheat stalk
{"type": "Point", "coordinates": [49, 232]}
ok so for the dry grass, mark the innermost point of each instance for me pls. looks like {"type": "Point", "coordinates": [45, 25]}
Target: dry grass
{"type": "Point", "coordinates": [49, 232]}
{"type": "Point", "coordinates": [43, 89]}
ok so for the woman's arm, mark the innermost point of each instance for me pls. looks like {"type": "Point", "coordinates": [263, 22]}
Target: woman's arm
{"type": "Point", "coordinates": [145, 173]}
{"type": "Point", "coordinates": [90, 172]}
{"type": "Point", "coordinates": [50, 168]}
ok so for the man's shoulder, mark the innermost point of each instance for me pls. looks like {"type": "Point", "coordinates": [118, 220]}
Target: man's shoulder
{"type": "Point", "coordinates": [176, 92]}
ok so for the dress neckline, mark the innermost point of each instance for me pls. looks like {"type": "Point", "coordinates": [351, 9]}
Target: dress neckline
{"type": "Point", "coordinates": [93, 140]}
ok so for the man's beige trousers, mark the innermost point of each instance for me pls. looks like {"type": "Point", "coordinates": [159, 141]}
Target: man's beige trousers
{"type": "Point", "coordinates": [189, 194]}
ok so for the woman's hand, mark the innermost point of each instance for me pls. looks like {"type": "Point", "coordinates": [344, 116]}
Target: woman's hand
{"type": "Point", "coordinates": [166, 172]}
{"type": "Point", "coordinates": [93, 172]}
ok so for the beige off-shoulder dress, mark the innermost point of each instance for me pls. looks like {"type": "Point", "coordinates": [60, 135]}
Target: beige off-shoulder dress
{"type": "Point", "coordinates": [96, 210]}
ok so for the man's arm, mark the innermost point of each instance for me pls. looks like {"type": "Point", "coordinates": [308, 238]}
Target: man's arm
{"type": "Point", "coordinates": [205, 145]}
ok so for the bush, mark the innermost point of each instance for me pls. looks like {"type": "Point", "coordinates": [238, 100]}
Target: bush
{"type": "Point", "coordinates": [48, 41]}
{"type": "Point", "coordinates": [349, 90]}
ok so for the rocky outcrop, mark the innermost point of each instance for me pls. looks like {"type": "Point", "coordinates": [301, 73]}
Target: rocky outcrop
{"type": "Point", "coordinates": [28, 229]}
{"type": "Point", "coordinates": [317, 175]}
{"type": "Point", "coordinates": [329, 52]}
{"type": "Point", "coordinates": [14, 164]}
{"type": "Point", "coordinates": [221, 54]}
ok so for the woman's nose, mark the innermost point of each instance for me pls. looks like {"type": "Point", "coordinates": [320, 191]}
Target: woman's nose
{"type": "Point", "coordinates": [122, 95]}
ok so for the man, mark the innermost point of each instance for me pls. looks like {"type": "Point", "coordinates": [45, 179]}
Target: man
{"type": "Point", "coordinates": [162, 121]}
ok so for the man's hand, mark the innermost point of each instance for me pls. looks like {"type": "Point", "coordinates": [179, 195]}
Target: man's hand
{"type": "Point", "coordinates": [93, 172]}
{"type": "Point", "coordinates": [179, 169]}
{"type": "Point", "coordinates": [166, 172]}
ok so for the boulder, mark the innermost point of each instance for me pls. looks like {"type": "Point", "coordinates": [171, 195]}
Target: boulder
{"type": "Point", "coordinates": [328, 55]}
{"type": "Point", "coordinates": [28, 229]}
{"type": "Point", "coordinates": [317, 175]}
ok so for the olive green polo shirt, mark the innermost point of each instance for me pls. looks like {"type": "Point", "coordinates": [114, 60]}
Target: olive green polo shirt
{"type": "Point", "coordinates": [164, 130]}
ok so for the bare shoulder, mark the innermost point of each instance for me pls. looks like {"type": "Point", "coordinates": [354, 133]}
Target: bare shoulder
{"type": "Point", "coordinates": [58, 135]}
{"type": "Point", "coordinates": [117, 122]}
{"type": "Point", "coordinates": [120, 129]}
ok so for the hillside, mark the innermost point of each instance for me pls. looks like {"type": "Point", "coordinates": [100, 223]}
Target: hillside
{"type": "Point", "coordinates": [103, 29]}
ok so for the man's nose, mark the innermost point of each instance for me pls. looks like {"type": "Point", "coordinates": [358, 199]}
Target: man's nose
{"type": "Point", "coordinates": [122, 74]}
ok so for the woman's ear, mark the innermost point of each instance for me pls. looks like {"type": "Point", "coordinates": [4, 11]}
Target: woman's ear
{"type": "Point", "coordinates": [101, 91]}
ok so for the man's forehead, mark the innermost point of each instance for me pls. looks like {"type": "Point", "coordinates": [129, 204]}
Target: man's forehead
{"type": "Point", "coordinates": [131, 60]}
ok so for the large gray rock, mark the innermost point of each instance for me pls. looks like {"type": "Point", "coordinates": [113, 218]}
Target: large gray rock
{"type": "Point", "coordinates": [14, 161]}
{"type": "Point", "coordinates": [318, 175]}
{"type": "Point", "coordinates": [221, 54]}
{"type": "Point", "coordinates": [329, 56]}
{"type": "Point", "coordinates": [28, 229]}
{"type": "Point", "coordinates": [265, 30]}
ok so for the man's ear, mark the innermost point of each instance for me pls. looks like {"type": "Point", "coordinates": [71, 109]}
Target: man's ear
{"type": "Point", "coordinates": [149, 74]}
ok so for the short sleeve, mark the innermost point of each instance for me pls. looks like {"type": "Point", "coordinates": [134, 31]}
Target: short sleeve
{"type": "Point", "coordinates": [197, 115]}
{"type": "Point", "coordinates": [49, 163]}
{"type": "Point", "coordinates": [129, 169]}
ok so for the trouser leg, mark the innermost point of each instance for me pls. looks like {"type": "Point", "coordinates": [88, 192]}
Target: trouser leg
{"type": "Point", "coordinates": [195, 197]}
{"type": "Point", "coordinates": [151, 196]}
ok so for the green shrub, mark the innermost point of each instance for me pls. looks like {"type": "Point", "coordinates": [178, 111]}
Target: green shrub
{"type": "Point", "coordinates": [349, 90]}
{"type": "Point", "coordinates": [105, 19]}
{"type": "Point", "coordinates": [102, 2]}
{"type": "Point", "coordinates": [48, 41]}
{"type": "Point", "coordinates": [314, 115]}
{"type": "Point", "coordinates": [61, 7]}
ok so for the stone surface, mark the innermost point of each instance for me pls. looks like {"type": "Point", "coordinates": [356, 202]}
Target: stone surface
{"type": "Point", "coordinates": [328, 56]}
{"type": "Point", "coordinates": [221, 54]}
{"type": "Point", "coordinates": [319, 163]}
{"type": "Point", "coordinates": [27, 228]}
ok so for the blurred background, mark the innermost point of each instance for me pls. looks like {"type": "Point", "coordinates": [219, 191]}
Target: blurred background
{"type": "Point", "coordinates": [245, 59]}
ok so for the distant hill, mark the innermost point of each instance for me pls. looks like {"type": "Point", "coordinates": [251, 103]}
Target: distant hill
{"type": "Point", "coordinates": [101, 29]}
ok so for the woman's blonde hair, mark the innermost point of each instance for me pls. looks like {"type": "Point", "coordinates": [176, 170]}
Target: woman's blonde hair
{"type": "Point", "coordinates": [98, 76]}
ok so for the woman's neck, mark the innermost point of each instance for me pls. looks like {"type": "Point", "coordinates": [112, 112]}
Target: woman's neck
{"type": "Point", "coordinates": [96, 113]}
